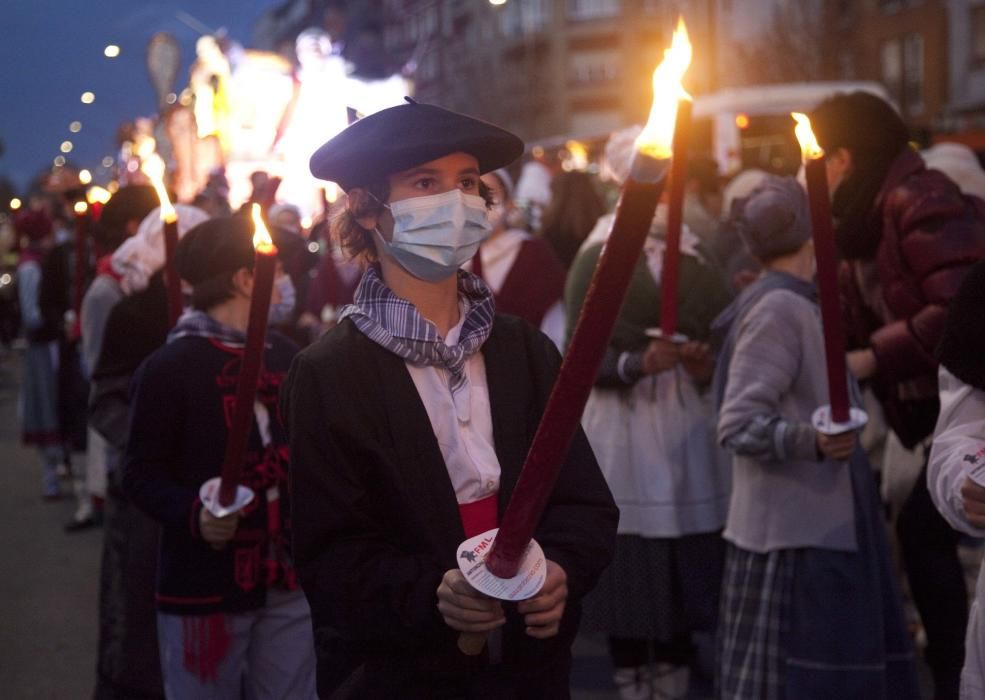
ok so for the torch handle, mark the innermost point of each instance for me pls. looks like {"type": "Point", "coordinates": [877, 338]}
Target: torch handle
{"type": "Point", "coordinates": [560, 421]}
{"type": "Point", "coordinates": [472, 643]}
{"type": "Point", "coordinates": [827, 282]}
{"type": "Point", "coordinates": [171, 279]}
{"type": "Point", "coordinates": [675, 219]}
{"type": "Point", "coordinates": [249, 374]}
{"type": "Point", "coordinates": [81, 260]}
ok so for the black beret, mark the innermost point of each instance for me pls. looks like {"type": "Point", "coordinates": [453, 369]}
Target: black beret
{"type": "Point", "coordinates": [401, 137]}
{"type": "Point", "coordinates": [224, 244]}
{"type": "Point", "coordinates": [130, 203]}
{"type": "Point", "coordinates": [293, 251]}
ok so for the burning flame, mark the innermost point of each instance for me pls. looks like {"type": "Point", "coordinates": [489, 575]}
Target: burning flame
{"type": "Point", "coordinates": [81, 208]}
{"type": "Point", "coordinates": [577, 156]}
{"type": "Point", "coordinates": [262, 241]}
{"type": "Point", "coordinates": [98, 194]}
{"type": "Point", "coordinates": [145, 147]}
{"type": "Point", "coordinates": [656, 139]}
{"type": "Point", "coordinates": [153, 168]}
{"type": "Point", "coordinates": [809, 148]}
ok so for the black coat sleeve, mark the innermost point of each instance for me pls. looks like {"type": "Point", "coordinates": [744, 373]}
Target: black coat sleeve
{"type": "Point", "coordinates": [356, 580]}
{"type": "Point", "coordinates": [149, 463]}
{"type": "Point", "coordinates": [578, 529]}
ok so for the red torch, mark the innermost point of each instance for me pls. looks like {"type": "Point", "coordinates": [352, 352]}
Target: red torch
{"type": "Point", "coordinates": [499, 574]}
{"type": "Point", "coordinates": [265, 265]}
{"type": "Point", "coordinates": [81, 254]}
{"type": "Point", "coordinates": [670, 273]}
{"type": "Point", "coordinates": [97, 197]}
{"type": "Point", "coordinates": [153, 168]}
{"type": "Point", "coordinates": [838, 417]}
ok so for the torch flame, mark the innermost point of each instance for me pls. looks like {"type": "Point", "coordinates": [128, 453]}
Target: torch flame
{"type": "Point", "coordinates": [145, 147]}
{"type": "Point", "coordinates": [153, 168]}
{"type": "Point", "coordinates": [98, 194]}
{"type": "Point", "coordinates": [81, 208]}
{"type": "Point", "coordinates": [809, 147]}
{"type": "Point", "coordinates": [656, 139]}
{"type": "Point", "coordinates": [262, 241]}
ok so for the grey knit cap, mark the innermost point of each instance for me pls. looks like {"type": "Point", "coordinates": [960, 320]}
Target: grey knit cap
{"type": "Point", "coordinates": [774, 219]}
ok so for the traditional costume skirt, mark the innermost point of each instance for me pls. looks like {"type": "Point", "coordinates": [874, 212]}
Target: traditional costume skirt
{"type": "Point", "coordinates": [814, 624]}
{"type": "Point", "coordinates": [658, 589]}
{"type": "Point", "coordinates": [39, 396]}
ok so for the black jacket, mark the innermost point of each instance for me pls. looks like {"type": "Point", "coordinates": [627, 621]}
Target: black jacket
{"type": "Point", "coordinates": [376, 522]}
{"type": "Point", "coordinates": [183, 401]}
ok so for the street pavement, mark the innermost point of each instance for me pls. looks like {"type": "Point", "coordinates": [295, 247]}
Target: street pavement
{"type": "Point", "coordinates": [48, 580]}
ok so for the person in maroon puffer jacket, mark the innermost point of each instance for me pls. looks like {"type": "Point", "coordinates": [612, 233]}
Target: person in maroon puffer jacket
{"type": "Point", "coordinates": [907, 236]}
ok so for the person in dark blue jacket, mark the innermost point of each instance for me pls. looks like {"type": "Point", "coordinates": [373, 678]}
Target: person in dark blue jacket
{"type": "Point", "coordinates": [230, 613]}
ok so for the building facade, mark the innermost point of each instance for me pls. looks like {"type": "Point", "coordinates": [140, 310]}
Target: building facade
{"type": "Point", "coordinates": [966, 61]}
{"type": "Point", "coordinates": [547, 68]}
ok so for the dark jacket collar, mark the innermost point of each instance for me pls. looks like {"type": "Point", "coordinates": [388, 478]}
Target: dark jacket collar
{"type": "Point", "coordinates": [907, 164]}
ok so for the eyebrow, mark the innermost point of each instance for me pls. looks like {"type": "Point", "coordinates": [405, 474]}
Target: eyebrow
{"type": "Point", "coordinates": [434, 171]}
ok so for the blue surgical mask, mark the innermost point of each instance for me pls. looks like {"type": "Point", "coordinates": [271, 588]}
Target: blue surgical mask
{"type": "Point", "coordinates": [281, 311]}
{"type": "Point", "coordinates": [435, 235]}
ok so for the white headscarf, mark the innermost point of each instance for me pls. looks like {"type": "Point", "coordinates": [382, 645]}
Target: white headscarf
{"type": "Point", "coordinates": [959, 163]}
{"type": "Point", "coordinates": [142, 254]}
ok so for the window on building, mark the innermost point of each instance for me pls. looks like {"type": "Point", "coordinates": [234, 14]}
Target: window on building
{"type": "Point", "coordinates": [593, 9]}
{"type": "Point", "coordinates": [593, 67]}
{"type": "Point", "coordinates": [891, 60]}
{"type": "Point", "coordinates": [903, 72]}
{"type": "Point", "coordinates": [977, 21]}
{"type": "Point", "coordinates": [528, 17]}
{"type": "Point", "coordinates": [913, 73]}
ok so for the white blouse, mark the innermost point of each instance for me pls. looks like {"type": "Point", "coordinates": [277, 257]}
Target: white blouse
{"type": "Point", "coordinates": [467, 446]}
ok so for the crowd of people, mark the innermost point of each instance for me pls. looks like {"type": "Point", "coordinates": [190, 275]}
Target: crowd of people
{"type": "Point", "coordinates": [722, 544]}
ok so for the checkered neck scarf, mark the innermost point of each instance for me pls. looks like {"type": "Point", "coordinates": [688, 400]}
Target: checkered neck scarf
{"type": "Point", "coordinates": [396, 325]}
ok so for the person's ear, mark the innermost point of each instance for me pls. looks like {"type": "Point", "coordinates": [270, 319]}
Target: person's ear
{"type": "Point", "coordinates": [844, 159]}
{"type": "Point", "coordinates": [243, 281]}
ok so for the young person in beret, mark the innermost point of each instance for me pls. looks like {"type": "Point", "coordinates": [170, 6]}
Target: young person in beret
{"type": "Point", "coordinates": [230, 615]}
{"type": "Point", "coordinates": [409, 425]}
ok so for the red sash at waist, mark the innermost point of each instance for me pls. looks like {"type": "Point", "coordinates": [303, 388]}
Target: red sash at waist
{"type": "Point", "coordinates": [479, 516]}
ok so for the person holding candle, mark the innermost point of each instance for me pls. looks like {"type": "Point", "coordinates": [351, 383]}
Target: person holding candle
{"type": "Point", "coordinates": [907, 236]}
{"type": "Point", "coordinates": [230, 614]}
{"type": "Point", "coordinates": [410, 421]}
{"type": "Point", "coordinates": [810, 607]}
{"type": "Point", "coordinates": [651, 424]}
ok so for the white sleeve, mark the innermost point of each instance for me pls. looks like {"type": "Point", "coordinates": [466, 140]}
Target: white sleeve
{"type": "Point", "coordinates": [553, 325]}
{"type": "Point", "coordinates": [958, 450]}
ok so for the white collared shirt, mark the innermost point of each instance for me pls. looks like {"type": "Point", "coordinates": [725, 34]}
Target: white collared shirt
{"type": "Point", "coordinates": [467, 446]}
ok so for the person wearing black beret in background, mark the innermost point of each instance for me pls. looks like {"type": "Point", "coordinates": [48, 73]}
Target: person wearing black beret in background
{"type": "Point", "coordinates": [409, 423]}
{"type": "Point", "coordinates": [230, 615]}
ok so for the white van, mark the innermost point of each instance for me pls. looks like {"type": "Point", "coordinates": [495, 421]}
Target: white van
{"type": "Point", "coordinates": [750, 127]}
